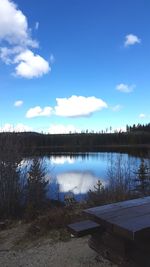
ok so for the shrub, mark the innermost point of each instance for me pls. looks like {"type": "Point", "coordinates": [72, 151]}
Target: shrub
{"type": "Point", "coordinates": [56, 219]}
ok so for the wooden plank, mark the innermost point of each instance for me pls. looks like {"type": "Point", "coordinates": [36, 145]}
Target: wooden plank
{"type": "Point", "coordinates": [83, 228]}
{"type": "Point", "coordinates": [123, 214]}
{"type": "Point", "coordinates": [126, 212]}
{"type": "Point", "coordinates": [120, 251]}
{"type": "Point", "coordinates": [120, 216]}
{"type": "Point", "coordinates": [111, 247]}
{"type": "Point", "coordinates": [117, 206]}
{"type": "Point", "coordinates": [126, 218]}
{"type": "Point", "coordinates": [134, 226]}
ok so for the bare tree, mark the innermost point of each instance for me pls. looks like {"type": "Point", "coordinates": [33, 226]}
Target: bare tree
{"type": "Point", "coordinates": [120, 177]}
{"type": "Point", "coordinates": [10, 184]}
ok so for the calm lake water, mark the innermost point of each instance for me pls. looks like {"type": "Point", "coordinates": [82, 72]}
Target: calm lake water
{"type": "Point", "coordinates": [78, 173]}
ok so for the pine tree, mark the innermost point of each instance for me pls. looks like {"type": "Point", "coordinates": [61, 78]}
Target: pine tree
{"type": "Point", "coordinates": [36, 188]}
{"type": "Point", "coordinates": [98, 187]}
{"type": "Point", "coordinates": [142, 180]}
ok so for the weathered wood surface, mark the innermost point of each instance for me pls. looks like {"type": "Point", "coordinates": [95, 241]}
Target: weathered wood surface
{"type": "Point", "coordinates": [112, 248]}
{"type": "Point", "coordinates": [130, 219]}
{"type": "Point", "coordinates": [82, 228]}
{"type": "Point", "coordinates": [123, 252]}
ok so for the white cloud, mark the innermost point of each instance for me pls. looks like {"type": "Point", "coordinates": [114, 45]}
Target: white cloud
{"type": "Point", "coordinates": [30, 65]}
{"type": "Point", "coordinates": [7, 54]}
{"type": "Point", "coordinates": [62, 129]}
{"type": "Point", "coordinates": [13, 25]}
{"type": "Point", "coordinates": [142, 116]}
{"type": "Point", "coordinates": [78, 106]}
{"type": "Point", "coordinates": [18, 103]}
{"type": "Point", "coordinates": [8, 127]}
{"type": "Point", "coordinates": [75, 106]}
{"type": "Point", "coordinates": [22, 128]}
{"type": "Point", "coordinates": [117, 108]}
{"type": "Point", "coordinates": [15, 35]}
{"type": "Point", "coordinates": [131, 39]}
{"type": "Point", "coordinates": [38, 112]}
{"type": "Point", "coordinates": [124, 88]}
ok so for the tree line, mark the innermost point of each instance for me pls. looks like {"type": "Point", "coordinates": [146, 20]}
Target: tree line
{"type": "Point", "coordinates": [138, 128]}
{"type": "Point", "coordinates": [78, 142]}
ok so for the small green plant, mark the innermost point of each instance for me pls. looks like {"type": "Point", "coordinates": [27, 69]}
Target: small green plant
{"type": "Point", "coordinates": [98, 195]}
{"type": "Point", "coordinates": [99, 187]}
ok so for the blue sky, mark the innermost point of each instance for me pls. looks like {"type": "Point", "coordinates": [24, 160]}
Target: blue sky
{"type": "Point", "coordinates": [72, 65]}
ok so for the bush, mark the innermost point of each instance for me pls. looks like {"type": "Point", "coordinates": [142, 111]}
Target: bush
{"type": "Point", "coordinates": [56, 219]}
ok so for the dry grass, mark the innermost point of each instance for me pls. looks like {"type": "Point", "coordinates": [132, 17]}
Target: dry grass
{"type": "Point", "coordinates": [54, 221]}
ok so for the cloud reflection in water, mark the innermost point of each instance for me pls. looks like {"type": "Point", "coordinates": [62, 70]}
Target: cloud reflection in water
{"type": "Point", "coordinates": [62, 160]}
{"type": "Point", "coordinates": [76, 181]}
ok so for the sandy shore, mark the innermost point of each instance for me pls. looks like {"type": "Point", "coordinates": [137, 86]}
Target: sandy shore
{"type": "Point", "coordinates": [46, 252]}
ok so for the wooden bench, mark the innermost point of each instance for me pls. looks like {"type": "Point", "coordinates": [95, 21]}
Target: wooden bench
{"type": "Point", "coordinates": [83, 228]}
{"type": "Point", "coordinates": [127, 231]}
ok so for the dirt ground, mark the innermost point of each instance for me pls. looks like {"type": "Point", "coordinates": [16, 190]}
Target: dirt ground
{"type": "Point", "coordinates": [46, 252]}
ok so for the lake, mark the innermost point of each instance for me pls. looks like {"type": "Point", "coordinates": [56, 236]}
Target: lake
{"type": "Point", "coordinates": [78, 173]}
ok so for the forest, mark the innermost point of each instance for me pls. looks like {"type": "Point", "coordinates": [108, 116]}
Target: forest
{"type": "Point", "coordinates": [32, 142]}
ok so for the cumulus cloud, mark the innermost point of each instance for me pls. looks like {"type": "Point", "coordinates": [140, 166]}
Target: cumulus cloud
{"type": "Point", "coordinates": [78, 106]}
{"type": "Point", "coordinates": [124, 88]}
{"type": "Point", "coordinates": [30, 65]}
{"type": "Point", "coordinates": [8, 55]}
{"type": "Point", "coordinates": [75, 106]}
{"type": "Point", "coordinates": [16, 40]}
{"type": "Point", "coordinates": [18, 103]}
{"type": "Point", "coordinates": [13, 25]}
{"type": "Point", "coordinates": [62, 129]}
{"type": "Point", "coordinates": [142, 116]}
{"type": "Point", "coordinates": [38, 112]}
{"type": "Point", "coordinates": [8, 127]}
{"type": "Point", "coordinates": [131, 39]}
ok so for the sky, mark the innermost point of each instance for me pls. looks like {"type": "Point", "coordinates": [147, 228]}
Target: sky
{"type": "Point", "coordinates": [74, 65]}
